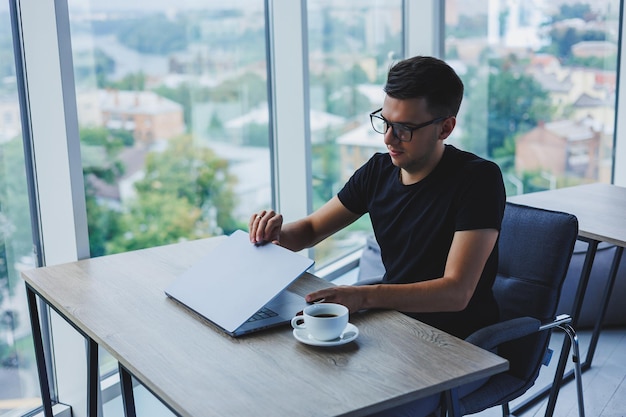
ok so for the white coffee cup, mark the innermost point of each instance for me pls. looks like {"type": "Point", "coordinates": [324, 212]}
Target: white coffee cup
{"type": "Point", "coordinates": [323, 321]}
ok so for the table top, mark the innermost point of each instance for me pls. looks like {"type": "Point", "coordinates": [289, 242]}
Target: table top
{"type": "Point", "coordinates": [600, 209]}
{"type": "Point", "coordinates": [118, 301]}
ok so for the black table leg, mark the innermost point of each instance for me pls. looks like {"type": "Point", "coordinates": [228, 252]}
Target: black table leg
{"type": "Point", "coordinates": [128, 397]}
{"type": "Point", "coordinates": [617, 258]}
{"type": "Point", "coordinates": [93, 380]}
{"type": "Point", "coordinates": [39, 352]}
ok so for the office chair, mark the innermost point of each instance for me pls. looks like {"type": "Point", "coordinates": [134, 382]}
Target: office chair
{"type": "Point", "coordinates": [535, 247]}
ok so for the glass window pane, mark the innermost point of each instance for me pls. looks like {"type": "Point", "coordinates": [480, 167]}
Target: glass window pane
{"type": "Point", "coordinates": [540, 83]}
{"type": "Point", "coordinates": [173, 119]}
{"type": "Point", "coordinates": [19, 387]}
{"type": "Point", "coordinates": [351, 45]}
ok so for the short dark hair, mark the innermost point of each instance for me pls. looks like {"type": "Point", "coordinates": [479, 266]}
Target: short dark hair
{"type": "Point", "coordinates": [429, 78]}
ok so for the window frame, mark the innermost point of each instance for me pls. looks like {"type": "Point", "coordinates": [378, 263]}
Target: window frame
{"type": "Point", "coordinates": [58, 196]}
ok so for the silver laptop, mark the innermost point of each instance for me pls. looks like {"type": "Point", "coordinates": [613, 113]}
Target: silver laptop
{"type": "Point", "coordinates": [241, 287]}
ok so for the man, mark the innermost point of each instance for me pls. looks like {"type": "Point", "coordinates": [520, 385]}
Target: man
{"type": "Point", "coordinates": [436, 210]}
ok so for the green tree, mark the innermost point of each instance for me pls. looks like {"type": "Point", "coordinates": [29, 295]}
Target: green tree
{"type": "Point", "coordinates": [339, 90]}
{"type": "Point", "coordinates": [186, 193]}
{"type": "Point", "coordinates": [326, 164]}
{"type": "Point", "coordinates": [112, 140]}
{"type": "Point", "coordinates": [573, 11]}
{"type": "Point", "coordinates": [7, 61]}
{"type": "Point", "coordinates": [601, 63]}
{"type": "Point", "coordinates": [154, 34]}
{"type": "Point", "coordinates": [564, 38]}
{"type": "Point", "coordinates": [256, 134]}
{"type": "Point", "coordinates": [516, 104]}
{"type": "Point", "coordinates": [469, 26]}
{"type": "Point", "coordinates": [16, 238]}
{"type": "Point", "coordinates": [103, 223]}
{"type": "Point", "coordinates": [104, 66]}
{"type": "Point", "coordinates": [474, 123]}
{"type": "Point", "coordinates": [215, 124]}
{"type": "Point", "coordinates": [504, 103]}
{"type": "Point", "coordinates": [15, 234]}
{"type": "Point", "coordinates": [185, 95]}
{"type": "Point", "coordinates": [130, 82]}
{"type": "Point", "coordinates": [249, 88]}
{"type": "Point", "coordinates": [155, 219]}
{"type": "Point", "coordinates": [100, 150]}
{"type": "Point", "coordinates": [349, 103]}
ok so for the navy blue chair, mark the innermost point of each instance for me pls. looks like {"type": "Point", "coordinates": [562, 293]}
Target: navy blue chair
{"type": "Point", "coordinates": [535, 248]}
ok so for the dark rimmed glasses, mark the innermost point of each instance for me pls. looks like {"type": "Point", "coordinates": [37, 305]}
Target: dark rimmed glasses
{"type": "Point", "coordinates": [401, 131]}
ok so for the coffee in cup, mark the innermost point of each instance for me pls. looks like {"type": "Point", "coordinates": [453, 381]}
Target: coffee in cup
{"type": "Point", "coordinates": [323, 321]}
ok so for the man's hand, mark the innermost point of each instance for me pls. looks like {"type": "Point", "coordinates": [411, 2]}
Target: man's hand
{"type": "Point", "coordinates": [349, 296]}
{"type": "Point", "coordinates": [265, 227]}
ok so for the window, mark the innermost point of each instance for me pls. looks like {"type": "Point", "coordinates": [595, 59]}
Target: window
{"type": "Point", "coordinates": [173, 115]}
{"type": "Point", "coordinates": [19, 388]}
{"type": "Point", "coordinates": [173, 119]}
{"type": "Point", "coordinates": [350, 49]}
{"type": "Point", "coordinates": [540, 83]}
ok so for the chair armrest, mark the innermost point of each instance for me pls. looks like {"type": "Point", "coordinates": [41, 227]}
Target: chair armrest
{"type": "Point", "coordinates": [559, 321]}
{"type": "Point", "coordinates": [491, 336]}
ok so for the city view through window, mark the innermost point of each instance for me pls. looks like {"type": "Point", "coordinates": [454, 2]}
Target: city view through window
{"type": "Point", "coordinates": [173, 113]}
{"type": "Point", "coordinates": [173, 106]}
{"type": "Point", "coordinates": [540, 82]}
{"type": "Point", "coordinates": [19, 389]}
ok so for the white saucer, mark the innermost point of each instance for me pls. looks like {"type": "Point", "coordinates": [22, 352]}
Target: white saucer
{"type": "Point", "coordinates": [350, 333]}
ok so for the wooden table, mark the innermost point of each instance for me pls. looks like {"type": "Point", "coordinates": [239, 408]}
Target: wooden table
{"type": "Point", "coordinates": [118, 303]}
{"type": "Point", "coordinates": [601, 212]}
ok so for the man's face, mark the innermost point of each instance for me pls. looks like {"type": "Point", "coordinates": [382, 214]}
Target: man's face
{"type": "Point", "coordinates": [424, 147]}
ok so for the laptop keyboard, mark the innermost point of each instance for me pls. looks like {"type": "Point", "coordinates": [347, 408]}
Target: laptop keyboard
{"type": "Point", "coordinates": [263, 313]}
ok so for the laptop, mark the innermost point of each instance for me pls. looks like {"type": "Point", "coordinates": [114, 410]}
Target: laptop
{"type": "Point", "coordinates": [240, 287]}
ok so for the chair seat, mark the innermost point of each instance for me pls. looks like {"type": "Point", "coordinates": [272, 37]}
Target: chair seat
{"type": "Point", "coordinates": [500, 389]}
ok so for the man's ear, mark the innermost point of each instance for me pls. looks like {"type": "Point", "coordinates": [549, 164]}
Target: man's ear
{"type": "Point", "coordinates": [447, 126]}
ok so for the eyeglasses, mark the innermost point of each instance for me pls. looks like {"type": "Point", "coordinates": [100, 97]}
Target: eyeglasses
{"type": "Point", "coordinates": [401, 131]}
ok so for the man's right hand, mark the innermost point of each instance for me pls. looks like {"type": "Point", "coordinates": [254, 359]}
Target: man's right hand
{"type": "Point", "coordinates": [265, 227]}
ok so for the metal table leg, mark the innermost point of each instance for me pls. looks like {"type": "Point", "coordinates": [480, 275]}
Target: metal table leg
{"type": "Point", "coordinates": [93, 380]}
{"type": "Point", "coordinates": [39, 352]}
{"type": "Point", "coordinates": [617, 258]}
{"type": "Point", "coordinates": [128, 397]}
{"type": "Point", "coordinates": [93, 377]}
{"type": "Point", "coordinates": [596, 330]}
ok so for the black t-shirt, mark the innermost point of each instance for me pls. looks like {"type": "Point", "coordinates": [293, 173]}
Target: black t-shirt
{"type": "Point", "coordinates": [414, 224]}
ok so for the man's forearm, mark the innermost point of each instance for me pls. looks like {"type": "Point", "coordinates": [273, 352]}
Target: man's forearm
{"type": "Point", "coordinates": [296, 236]}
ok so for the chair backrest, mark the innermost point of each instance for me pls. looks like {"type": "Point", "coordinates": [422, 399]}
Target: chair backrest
{"type": "Point", "coordinates": [535, 247]}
